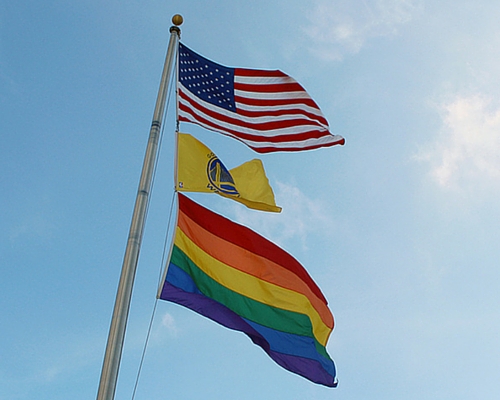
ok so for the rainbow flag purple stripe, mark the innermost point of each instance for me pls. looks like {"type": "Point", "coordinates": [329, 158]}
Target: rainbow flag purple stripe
{"type": "Point", "coordinates": [234, 276]}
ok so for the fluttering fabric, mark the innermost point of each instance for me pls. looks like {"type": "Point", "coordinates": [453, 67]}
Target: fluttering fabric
{"type": "Point", "coordinates": [234, 276]}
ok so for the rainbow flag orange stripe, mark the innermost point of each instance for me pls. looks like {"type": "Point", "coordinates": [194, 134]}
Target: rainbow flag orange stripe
{"type": "Point", "coordinates": [237, 278]}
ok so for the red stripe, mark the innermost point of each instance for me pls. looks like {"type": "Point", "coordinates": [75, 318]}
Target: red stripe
{"type": "Point", "coordinates": [243, 237]}
{"type": "Point", "coordinates": [269, 88]}
{"type": "Point", "coordinates": [264, 150]}
{"type": "Point", "coordinates": [259, 72]}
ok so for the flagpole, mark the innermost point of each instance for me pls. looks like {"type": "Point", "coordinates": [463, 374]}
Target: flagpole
{"type": "Point", "coordinates": [111, 364]}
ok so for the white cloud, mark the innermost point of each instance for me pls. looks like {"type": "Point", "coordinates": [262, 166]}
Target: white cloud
{"type": "Point", "coordinates": [168, 321]}
{"type": "Point", "coordinates": [341, 27]}
{"type": "Point", "coordinates": [301, 216]}
{"type": "Point", "coordinates": [54, 360]}
{"type": "Point", "coordinates": [466, 155]}
{"type": "Point", "coordinates": [38, 226]}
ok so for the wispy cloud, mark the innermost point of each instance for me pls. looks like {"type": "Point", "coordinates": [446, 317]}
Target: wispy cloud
{"type": "Point", "coordinates": [342, 27]}
{"type": "Point", "coordinates": [37, 226]}
{"type": "Point", "coordinates": [301, 217]}
{"type": "Point", "coordinates": [55, 361]}
{"type": "Point", "coordinates": [467, 152]}
{"type": "Point", "coordinates": [168, 322]}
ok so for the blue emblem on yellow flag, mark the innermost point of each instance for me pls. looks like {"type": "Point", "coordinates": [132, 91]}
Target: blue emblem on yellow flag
{"type": "Point", "coordinates": [220, 177]}
{"type": "Point", "coordinates": [200, 170]}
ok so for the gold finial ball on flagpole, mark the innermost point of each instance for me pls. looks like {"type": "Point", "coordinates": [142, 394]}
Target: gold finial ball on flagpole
{"type": "Point", "coordinates": [177, 19]}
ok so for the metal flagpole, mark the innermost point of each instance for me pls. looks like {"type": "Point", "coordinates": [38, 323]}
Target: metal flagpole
{"type": "Point", "coordinates": [111, 364]}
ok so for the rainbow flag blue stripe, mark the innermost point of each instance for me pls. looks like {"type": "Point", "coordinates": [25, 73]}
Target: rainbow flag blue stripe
{"type": "Point", "coordinates": [235, 277]}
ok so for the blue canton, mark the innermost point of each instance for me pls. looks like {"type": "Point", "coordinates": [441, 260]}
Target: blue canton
{"type": "Point", "coordinates": [207, 80]}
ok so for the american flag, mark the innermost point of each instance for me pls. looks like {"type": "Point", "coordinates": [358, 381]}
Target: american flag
{"type": "Point", "coordinates": [267, 110]}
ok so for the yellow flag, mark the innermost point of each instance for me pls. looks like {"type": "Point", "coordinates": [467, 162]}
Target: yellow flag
{"type": "Point", "coordinates": [200, 170]}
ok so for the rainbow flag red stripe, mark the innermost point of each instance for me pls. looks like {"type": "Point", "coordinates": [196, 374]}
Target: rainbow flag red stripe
{"type": "Point", "coordinates": [239, 279]}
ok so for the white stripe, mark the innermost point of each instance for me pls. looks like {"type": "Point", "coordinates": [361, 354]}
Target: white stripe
{"type": "Point", "coordinates": [300, 144]}
{"type": "Point", "coordinates": [263, 80]}
{"type": "Point", "coordinates": [272, 95]}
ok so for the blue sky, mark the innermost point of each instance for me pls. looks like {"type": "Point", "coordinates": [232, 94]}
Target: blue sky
{"type": "Point", "coordinates": [399, 227]}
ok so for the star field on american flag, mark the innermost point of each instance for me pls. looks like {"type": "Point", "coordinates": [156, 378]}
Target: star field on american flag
{"type": "Point", "coordinates": [211, 82]}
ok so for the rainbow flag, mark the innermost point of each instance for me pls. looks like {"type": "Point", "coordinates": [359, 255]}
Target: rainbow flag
{"type": "Point", "coordinates": [234, 276]}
